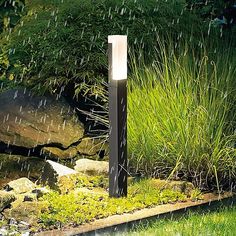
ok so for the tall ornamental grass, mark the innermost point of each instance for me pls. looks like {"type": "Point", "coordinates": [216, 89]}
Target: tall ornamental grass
{"type": "Point", "coordinates": [181, 117]}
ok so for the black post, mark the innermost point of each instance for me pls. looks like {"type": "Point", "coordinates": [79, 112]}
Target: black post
{"type": "Point", "coordinates": [118, 130]}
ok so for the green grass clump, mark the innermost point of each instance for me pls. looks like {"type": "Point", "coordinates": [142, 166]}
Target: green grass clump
{"type": "Point", "coordinates": [220, 223]}
{"type": "Point", "coordinates": [80, 207]}
{"type": "Point", "coordinates": [181, 117]}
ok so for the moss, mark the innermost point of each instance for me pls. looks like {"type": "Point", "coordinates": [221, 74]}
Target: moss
{"type": "Point", "coordinates": [79, 207]}
{"type": "Point", "coordinates": [196, 195]}
{"type": "Point", "coordinates": [71, 182]}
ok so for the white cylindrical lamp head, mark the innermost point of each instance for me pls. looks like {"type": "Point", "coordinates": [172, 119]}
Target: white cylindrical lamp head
{"type": "Point", "coordinates": [118, 63]}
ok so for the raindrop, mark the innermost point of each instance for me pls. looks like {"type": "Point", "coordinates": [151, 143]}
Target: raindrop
{"type": "Point", "coordinates": [15, 94]}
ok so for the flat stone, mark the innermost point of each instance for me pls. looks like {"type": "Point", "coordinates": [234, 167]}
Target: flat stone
{"type": "Point", "coordinates": [29, 120]}
{"type": "Point", "coordinates": [57, 153]}
{"type": "Point", "coordinates": [6, 199]}
{"type": "Point", "coordinates": [52, 171]}
{"type": "Point", "coordinates": [21, 185]}
{"type": "Point", "coordinates": [92, 167]}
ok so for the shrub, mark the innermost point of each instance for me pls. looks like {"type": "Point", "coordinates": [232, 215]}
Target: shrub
{"type": "Point", "coordinates": [58, 42]}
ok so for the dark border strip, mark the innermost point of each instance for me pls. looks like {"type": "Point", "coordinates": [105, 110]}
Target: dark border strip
{"type": "Point", "coordinates": [127, 221]}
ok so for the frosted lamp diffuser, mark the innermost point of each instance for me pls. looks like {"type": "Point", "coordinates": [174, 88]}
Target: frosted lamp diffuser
{"type": "Point", "coordinates": [118, 63]}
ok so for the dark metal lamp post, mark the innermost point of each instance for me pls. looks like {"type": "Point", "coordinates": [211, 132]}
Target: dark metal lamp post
{"type": "Point", "coordinates": [117, 55]}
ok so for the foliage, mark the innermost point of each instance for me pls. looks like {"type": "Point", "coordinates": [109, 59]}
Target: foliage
{"type": "Point", "coordinates": [181, 115]}
{"type": "Point", "coordinates": [78, 207]}
{"type": "Point", "coordinates": [208, 9]}
{"type": "Point", "coordinates": [71, 182]}
{"type": "Point", "coordinates": [187, 125]}
{"type": "Point", "coordinates": [63, 42]}
{"type": "Point", "coordinates": [10, 13]}
{"type": "Point", "coordinates": [218, 223]}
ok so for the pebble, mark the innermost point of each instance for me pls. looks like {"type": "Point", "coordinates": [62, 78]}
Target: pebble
{"type": "Point", "coordinates": [23, 226]}
{"type": "Point", "coordinates": [15, 228]}
{"type": "Point", "coordinates": [3, 231]}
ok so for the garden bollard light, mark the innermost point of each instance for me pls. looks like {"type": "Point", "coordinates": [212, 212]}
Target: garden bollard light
{"type": "Point", "coordinates": [117, 55]}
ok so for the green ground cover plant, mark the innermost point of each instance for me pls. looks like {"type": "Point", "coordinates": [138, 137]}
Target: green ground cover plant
{"type": "Point", "coordinates": [79, 207]}
{"type": "Point", "coordinates": [219, 223]}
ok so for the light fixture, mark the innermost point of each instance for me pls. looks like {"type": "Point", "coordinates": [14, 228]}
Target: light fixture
{"type": "Point", "coordinates": [117, 57]}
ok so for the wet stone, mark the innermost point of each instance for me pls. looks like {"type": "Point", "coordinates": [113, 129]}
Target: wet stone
{"type": "Point", "coordinates": [21, 185]}
{"type": "Point", "coordinates": [22, 225]}
{"type": "Point", "coordinates": [30, 120]}
{"type": "Point", "coordinates": [52, 171]}
{"type": "Point", "coordinates": [57, 153]}
{"type": "Point", "coordinates": [92, 167]}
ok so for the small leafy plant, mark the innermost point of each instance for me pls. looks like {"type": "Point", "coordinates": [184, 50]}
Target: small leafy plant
{"type": "Point", "coordinates": [80, 207]}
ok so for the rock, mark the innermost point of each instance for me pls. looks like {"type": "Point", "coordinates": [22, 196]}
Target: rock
{"type": "Point", "coordinates": [21, 185]}
{"type": "Point", "coordinates": [92, 167]}
{"type": "Point", "coordinates": [6, 199]}
{"type": "Point", "coordinates": [90, 146]}
{"type": "Point", "coordinates": [12, 222]}
{"type": "Point", "coordinates": [22, 226]}
{"type": "Point", "coordinates": [52, 171]}
{"type": "Point", "coordinates": [179, 186]}
{"type": "Point", "coordinates": [25, 234]}
{"type": "Point", "coordinates": [26, 211]}
{"type": "Point", "coordinates": [29, 121]}
{"type": "Point", "coordinates": [4, 232]}
{"type": "Point", "coordinates": [57, 153]}
{"type": "Point", "coordinates": [14, 167]}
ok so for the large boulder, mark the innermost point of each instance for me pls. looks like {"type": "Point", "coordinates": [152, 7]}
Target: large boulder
{"type": "Point", "coordinates": [92, 167]}
{"type": "Point", "coordinates": [28, 120]}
